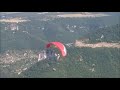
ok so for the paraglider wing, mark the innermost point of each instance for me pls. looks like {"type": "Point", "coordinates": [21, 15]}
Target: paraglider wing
{"type": "Point", "coordinates": [60, 46]}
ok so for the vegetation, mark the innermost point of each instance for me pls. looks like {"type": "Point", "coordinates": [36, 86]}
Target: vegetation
{"type": "Point", "coordinates": [107, 34]}
{"type": "Point", "coordinates": [79, 63]}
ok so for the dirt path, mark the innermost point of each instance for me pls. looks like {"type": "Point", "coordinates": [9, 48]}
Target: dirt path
{"type": "Point", "coordinates": [97, 45]}
{"type": "Point", "coordinates": [82, 15]}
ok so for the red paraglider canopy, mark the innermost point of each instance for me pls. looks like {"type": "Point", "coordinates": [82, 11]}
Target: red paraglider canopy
{"type": "Point", "coordinates": [60, 46]}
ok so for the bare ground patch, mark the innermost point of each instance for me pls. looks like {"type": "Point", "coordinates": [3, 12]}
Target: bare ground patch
{"type": "Point", "coordinates": [13, 20]}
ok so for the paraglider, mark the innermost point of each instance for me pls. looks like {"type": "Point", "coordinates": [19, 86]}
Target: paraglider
{"type": "Point", "coordinates": [58, 45]}
{"type": "Point", "coordinates": [54, 50]}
